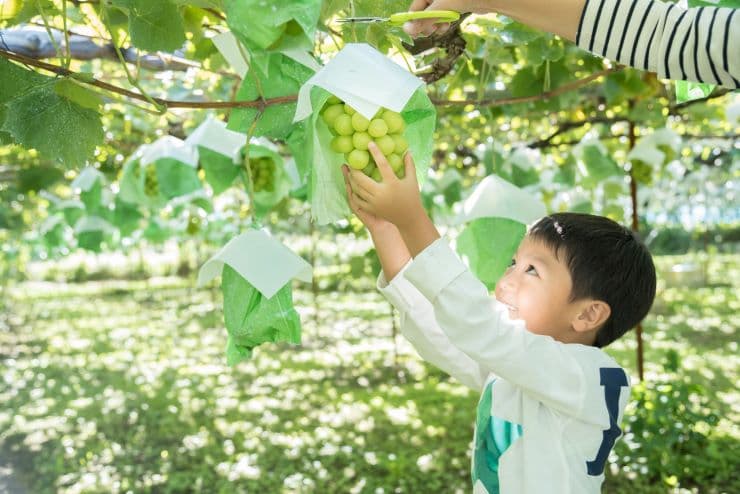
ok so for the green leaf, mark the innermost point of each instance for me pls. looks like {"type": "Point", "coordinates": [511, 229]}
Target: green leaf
{"type": "Point", "coordinates": [19, 11]}
{"type": "Point", "coordinates": [54, 125]}
{"type": "Point", "coordinates": [281, 76]}
{"type": "Point", "coordinates": [489, 244]}
{"type": "Point", "coordinates": [566, 173]}
{"type": "Point", "coordinates": [153, 25]}
{"type": "Point", "coordinates": [521, 177]}
{"type": "Point", "coordinates": [598, 165]}
{"type": "Point", "coordinates": [38, 177]}
{"type": "Point", "coordinates": [526, 82]}
{"type": "Point", "coordinates": [15, 80]}
{"type": "Point", "coordinates": [68, 88]}
{"type": "Point", "coordinates": [624, 85]}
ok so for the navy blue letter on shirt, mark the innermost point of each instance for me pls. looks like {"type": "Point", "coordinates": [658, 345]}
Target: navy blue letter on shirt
{"type": "Point", "coordinates": [613, 379]}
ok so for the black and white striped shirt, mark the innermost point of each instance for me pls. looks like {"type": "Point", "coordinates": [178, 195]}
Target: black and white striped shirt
{"type": "Point", "coordinates": [696, 44]}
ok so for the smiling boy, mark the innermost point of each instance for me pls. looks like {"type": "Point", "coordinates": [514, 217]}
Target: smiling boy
{"type": "Point", "coordinates": [551, 399]}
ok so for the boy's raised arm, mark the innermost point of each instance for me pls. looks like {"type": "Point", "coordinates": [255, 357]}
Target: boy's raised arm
{"type": "Point", "coordinates": [392, 251]}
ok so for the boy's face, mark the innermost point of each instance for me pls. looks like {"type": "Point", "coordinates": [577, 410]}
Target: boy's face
{"type": "Point", "coordinates": [536, 288]}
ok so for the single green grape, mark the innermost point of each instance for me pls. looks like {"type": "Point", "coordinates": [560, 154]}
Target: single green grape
{"type": "Point", "coordinates": [349, 110]}
{"type": "Point", "coordinates": [401, 143]}
{"type": "Point", "coordinates": [394, 121]}
{"type": "Point", "coordinates": [342, 144]}
{"type": "Point", "coordinates": [333, 100]}
{"type": "Point", "coordinates": [375, 175]}
{"type": "Point", "coordinates": [331, 113]}
{"type": "Point", "coordinates": [368, 170]}
{"type": "Point", "coordinates": [358, 159]}
{"type": "Point", "coordinates": [395, 161]}
{"type": "Point", "coordinates": [359, 122]}
{"type": "Point", "coordinates": [343, 125]}
{"type": "Point", "coordinates": [386, 144]}
{"type": "Point", "coordinates": [360, 140]}
{"type": "Point", "coordinates": [377, 127]}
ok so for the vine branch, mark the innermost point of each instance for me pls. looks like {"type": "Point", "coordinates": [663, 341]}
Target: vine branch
{"type": "Point", "coordinates": [259, 103]}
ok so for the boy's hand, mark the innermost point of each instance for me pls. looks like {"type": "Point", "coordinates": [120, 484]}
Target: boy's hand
{"type": "Point", "coordinates": [395, 200]}
{"type": "Point", "coordinates": [372, 222]}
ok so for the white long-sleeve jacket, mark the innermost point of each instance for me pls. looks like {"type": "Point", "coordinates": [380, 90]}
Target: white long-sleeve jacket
{"type": "Point", "coordinates": [549, 412]}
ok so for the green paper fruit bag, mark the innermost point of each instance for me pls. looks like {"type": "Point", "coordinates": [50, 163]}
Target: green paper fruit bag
{"type": "Point", "coordinates": [256, 270]}
{"type": "Point", "coordinates": [160, 171]}
{"type": "Point", "coordinates": [359, 96]}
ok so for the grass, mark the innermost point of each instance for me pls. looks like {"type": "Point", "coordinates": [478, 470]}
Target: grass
{"type": "Point", "coordinates": [122, 387]}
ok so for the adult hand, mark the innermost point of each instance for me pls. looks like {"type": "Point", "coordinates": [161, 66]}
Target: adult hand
{"type": "Point", "coordinates": [395, 200]}
{"type": "Point", "coordinates": [427, 27]}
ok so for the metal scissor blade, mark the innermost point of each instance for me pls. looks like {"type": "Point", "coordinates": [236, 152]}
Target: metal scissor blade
{"type": "Point", "coordinates": [362, 19]}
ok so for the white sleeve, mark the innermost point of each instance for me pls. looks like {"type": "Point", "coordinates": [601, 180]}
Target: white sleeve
{"type": "Point", "coordinates": [477, 324]}
{"type": "Point", "coordinates": [421, 329]}
{"type": "Point", "coordinates": [696, 44]}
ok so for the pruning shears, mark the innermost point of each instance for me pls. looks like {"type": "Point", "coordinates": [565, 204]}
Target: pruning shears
{"type": "Point", "coordinates": [403, 17]}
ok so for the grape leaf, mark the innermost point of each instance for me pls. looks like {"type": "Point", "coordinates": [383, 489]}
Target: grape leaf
{"type": "Point", "coordinates": [281, 76]}
{"type": "Point", "coordinates": [153, 25]}
{"type": "Point", "coordinates": [42, 119]}
{"type": "Point", "coordinates": [15, 80]}
{"type": "Point", "coordinates": [598, 165]}
{"type": "Point", "coordinates": [5, 138]}
{"type": "Point", "coordinates": [73, 91]}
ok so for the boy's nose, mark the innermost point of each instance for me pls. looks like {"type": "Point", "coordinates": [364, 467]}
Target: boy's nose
{"type": "Point", "coordinates": [506, 282]}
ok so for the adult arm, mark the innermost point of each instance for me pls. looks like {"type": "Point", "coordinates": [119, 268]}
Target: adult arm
{"type": "Point", "coordinates": [697, 44]}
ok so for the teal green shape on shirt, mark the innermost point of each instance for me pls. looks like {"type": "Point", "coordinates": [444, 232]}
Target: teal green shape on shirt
{"type": "Point", "coordinates": [493, 436]}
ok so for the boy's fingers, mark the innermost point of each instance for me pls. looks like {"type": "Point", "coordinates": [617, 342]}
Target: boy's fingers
{"type": "Point", "coordinates": [346, 180]}
{"type": "Point", "coordinates": [363, 205]}
{"type": "Point", "coordinates": [382, 162]}
{"type": "Point", "coordinates": [362, 182]}
{"type": "Point", "coordinates": [409, 167]}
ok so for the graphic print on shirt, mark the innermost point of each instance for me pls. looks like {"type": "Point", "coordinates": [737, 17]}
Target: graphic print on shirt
{"type": "Point", "coordinates": [493, 436]}
{"type": "Point", "coordinates": [613, 379]}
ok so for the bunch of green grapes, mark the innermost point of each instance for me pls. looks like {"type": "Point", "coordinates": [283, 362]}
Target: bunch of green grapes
{"type": "Point", "coordinates": [263, 173]}
{"type": "Point", "coordinates": [352, 133]}
{"type": "Point", "coordinates": [151, 183]}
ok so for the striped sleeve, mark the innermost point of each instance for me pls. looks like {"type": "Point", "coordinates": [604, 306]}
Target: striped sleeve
{"type": "Point", "coordinates": [697, 44]}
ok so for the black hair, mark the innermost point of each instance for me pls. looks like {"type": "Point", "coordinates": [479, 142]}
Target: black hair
{"type": "Point", "coordinates": [607, 262]}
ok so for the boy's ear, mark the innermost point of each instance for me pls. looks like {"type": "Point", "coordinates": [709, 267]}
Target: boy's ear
{"type": "Point", "coordinates": [593, 315]}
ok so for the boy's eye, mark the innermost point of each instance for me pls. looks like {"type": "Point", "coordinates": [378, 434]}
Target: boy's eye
{"type": "Point", "coordinates": [512, 263]}
{"type": "Point", "coordinates": [532, 270]}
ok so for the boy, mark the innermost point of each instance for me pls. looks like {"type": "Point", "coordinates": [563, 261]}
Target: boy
{"type": "Point", "coordinates": [551, 398]}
